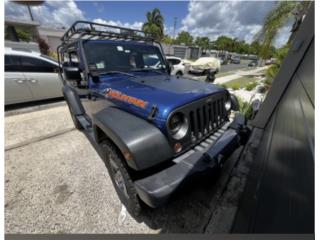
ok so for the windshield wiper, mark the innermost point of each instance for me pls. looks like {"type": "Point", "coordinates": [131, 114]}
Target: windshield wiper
{"type": "Point", "coordinates": [116, 72]}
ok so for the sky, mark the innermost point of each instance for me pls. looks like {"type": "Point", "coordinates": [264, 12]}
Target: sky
{"type": "Point", "coordinates": [240, 19]}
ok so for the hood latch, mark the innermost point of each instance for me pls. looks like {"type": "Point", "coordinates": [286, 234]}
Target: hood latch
{"type": "Point", "coordinates": [153, 112]}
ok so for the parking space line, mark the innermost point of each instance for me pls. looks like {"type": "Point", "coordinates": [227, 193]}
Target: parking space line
{"type": "Point", "coordinates": [38, 139]}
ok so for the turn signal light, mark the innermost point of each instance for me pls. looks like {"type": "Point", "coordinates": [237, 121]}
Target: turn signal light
{"type": "Point", "coordinates": [177, 147]}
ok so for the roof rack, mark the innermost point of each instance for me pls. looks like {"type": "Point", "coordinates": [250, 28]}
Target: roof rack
{"type": "Point", "coordinates": [97, 31]}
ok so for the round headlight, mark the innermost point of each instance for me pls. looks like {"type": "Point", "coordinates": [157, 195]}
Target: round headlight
{"type": "Point", "coordinates": [227, 105]}
{"type": "Point", "coordinates": [178, 125]}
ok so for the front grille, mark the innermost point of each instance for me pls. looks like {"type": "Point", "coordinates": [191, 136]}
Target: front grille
{"type": "Point", "coordinates": [206, 117]}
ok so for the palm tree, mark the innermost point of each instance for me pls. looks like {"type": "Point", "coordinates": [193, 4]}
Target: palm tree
{"type": "Point", "coordinates": [154, 24]}
{"type": "Point", "coordinates": [277, 18]}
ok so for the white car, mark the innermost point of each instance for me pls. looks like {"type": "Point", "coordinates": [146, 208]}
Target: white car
{"type": "Point", "coordinates": [204, 64]}
{"type": "Point", "coordinates": [178, 66]}
{"type": "Point", "coordinates": [30, 76]}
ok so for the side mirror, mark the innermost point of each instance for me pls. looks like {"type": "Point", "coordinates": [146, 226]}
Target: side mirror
{"type": "Point", "coordinates": [94, 73]}
{"type": "Point", "coordinates": [71, 71]}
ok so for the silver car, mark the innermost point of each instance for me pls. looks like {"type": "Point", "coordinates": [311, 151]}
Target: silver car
{"type": "Point", "coordinates": [30, 76]}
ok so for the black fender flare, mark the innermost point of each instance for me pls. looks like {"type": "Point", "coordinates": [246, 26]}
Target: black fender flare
{"type": "Point", "coordinates": [142, 144]}
{"type": "Point", "coordinates": [73, 100]}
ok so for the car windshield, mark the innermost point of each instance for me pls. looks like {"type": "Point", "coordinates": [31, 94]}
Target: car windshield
{"type": "Point", "coordinates": [105, 57]}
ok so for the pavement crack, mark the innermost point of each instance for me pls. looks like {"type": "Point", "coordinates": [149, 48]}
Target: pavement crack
{"type": "Point", "coordinates": [38, 139]}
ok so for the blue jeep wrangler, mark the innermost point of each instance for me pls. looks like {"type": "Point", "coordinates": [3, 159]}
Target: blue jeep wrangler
{"type": "Point", "coordinates": [152, 130]}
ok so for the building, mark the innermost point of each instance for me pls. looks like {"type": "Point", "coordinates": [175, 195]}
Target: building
{"type": "Point", "coordinates": [51, 36]}
{"type": "Point", "coordinates": [181, 51]}
{"type": "Point", "coordinates": [21, 34]}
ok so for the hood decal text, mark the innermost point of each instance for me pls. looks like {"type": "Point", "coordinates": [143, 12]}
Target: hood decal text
{"type": "Point", "coordinates": [125, 98]}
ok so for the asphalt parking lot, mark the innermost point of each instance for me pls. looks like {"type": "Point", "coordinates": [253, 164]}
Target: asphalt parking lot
{"type": "Point", "coordinates": [56, 183]}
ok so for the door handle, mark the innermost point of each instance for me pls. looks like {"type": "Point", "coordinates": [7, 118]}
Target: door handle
{"type": "Point", "coordinates": [32, 80]}
{"type": "Point", "coordinates": [20, 81]}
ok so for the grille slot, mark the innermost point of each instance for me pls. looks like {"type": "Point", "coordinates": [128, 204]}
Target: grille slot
{"type": "Point", "coordinates": [205, 118]}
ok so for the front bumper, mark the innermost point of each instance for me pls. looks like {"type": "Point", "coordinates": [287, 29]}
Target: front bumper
{"type": "Point", "coordinates": [156, 189]}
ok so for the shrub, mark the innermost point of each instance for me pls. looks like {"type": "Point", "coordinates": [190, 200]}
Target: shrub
{"type": "Point", "coordinates": [43, 45]}
{"type": "Point", "coordinates": [23, 35]}
{"type": "Point", "coordinates": [251, 86]}
{"type": "Point", "coordinates": [235, 86]}
{"type": "Point", "coordinates": [245, 108]}
{"type": "Point", "coordinates": [53, 55]}
{"type": "Point", "coordinates": [222, 85]}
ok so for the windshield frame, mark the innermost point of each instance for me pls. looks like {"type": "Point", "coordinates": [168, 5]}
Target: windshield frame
{"type": "Point", "coordinates": [158, 52]}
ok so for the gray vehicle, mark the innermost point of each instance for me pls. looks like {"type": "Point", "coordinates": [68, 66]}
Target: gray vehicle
{"type": "Point", "coordinates": [153, 130]}
{"type": "Point", "coordinates": [30, 76]}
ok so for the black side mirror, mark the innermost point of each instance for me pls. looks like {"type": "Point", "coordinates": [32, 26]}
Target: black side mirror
{"type": "Point", "coordinates": [71, 71]}
{"type": "Point", "coordinates": [94, 73]}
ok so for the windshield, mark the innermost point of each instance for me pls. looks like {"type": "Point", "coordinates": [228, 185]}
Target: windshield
{"type": "Point", "coordinates": [105, 57]}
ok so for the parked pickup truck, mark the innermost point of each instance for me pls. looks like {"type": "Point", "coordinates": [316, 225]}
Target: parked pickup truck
{"type": "Point", "coordinates": [153, 130]}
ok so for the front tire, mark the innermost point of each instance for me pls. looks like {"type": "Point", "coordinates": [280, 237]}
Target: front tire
{"type": "Point", "coordinates": [179, 74]}
{"type": "Point", "coordinates": [120, 177]}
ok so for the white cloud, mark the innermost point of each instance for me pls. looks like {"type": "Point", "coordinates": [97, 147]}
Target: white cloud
{"type": "Point", "coordinates": [52, 13]}
{"type": "Point", "coordinates": [134, 25]}
{"type": "Point", "coordinates": [240, 19]}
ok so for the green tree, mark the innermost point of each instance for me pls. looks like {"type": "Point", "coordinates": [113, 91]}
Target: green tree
{"type": "Point", "coordinates": [154, 24]}
{"type": "Point", "coordinates": [203, 42]}
{"type": "Point", "coordinates": [184, 38]}
{"type": "Point", "coordinates": [23, 35]}
{"type": "Point", "coordinates": [272, 71]}
{"type": "Point", "coordinates": [255, 47]}
{"type": "Point", "coordinates": [224, 43]}
{"type": "Point", "coordinates": [167, 39]}
{"type": "Point", "coordinates": [276, 19]}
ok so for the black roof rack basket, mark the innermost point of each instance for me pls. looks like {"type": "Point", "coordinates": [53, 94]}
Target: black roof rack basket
{"type": "Point", "coordinates": [95, 31]}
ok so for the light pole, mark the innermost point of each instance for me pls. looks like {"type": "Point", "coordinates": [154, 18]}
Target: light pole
{"type": "Point", "coordinates": [29, 4]}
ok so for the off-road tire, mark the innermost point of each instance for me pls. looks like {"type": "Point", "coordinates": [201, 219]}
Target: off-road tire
{"type": "Point", "coordinates": [131, 200]}
{"type": "Point", "coordinates": [76, 122]}
{"type": "Point", "coordinates": [179, 74]}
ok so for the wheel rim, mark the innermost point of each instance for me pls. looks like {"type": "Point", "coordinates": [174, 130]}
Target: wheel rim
{"type": "Point", "coordinates": [118, 178]}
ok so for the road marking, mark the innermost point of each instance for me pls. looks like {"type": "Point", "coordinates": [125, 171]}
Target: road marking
{"type": "Point", "coordinates": [38, 139]}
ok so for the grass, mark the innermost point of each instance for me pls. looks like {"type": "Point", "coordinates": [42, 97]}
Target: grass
{"type": "Point", "coordinates": [241, 82]}
{"type": "Point", "coordinates": [250, 86]}
{"type": "Point", "coordinates": [224, 74]}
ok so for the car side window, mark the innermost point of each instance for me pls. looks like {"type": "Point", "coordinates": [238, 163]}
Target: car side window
{"type": "Point", "coordinates": [30, 64]}
{"type": "Point", "coordinates": [174, 61]}
{"type": "Point", "coordinates": [12, 63]}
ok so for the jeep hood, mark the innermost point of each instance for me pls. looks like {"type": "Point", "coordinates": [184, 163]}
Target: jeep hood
{"type": "Point", "coordinates": [161, 91]}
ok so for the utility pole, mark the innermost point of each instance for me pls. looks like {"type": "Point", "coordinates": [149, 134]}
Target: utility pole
{"type": "Point", "coordinates": [30, 13]}
{"type": "Point", "coordinates": [174, 27]}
